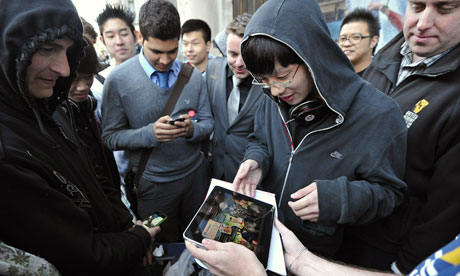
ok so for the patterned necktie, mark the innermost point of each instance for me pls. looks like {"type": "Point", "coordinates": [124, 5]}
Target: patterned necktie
{"type": "Point", "coordinates": [233, 102]}
{"type": "Point", "coordinates": [163, 78]}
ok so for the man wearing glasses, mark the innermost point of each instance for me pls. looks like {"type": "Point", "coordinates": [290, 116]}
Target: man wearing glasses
{"type": "Point", "coordinates": [359, 35]}
{"type": "Point", "coordinates": [234, 101]}
{"type": "Point", "coordinates": [329, 145]}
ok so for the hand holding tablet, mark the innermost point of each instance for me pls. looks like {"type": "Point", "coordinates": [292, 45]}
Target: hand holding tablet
{"type": "Point", "coordinates": [228, 216]}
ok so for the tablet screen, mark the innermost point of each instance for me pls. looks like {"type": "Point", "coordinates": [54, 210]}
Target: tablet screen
{"type": "Point", "coordinates": [228, 216]}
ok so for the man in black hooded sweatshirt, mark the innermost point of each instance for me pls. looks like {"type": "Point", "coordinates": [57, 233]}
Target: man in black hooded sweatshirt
{"type": "Point", "coordinates": [51, 202]}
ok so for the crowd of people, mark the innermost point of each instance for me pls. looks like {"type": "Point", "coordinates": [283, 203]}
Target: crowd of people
{"type": "Point", "coordinates": [361, 149]}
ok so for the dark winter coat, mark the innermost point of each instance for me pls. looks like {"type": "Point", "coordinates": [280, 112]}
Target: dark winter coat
{"type": "Point", "coordinates": [101, 158]}
{"type": "Point", "coordinates": [430, 102]}
{"type": "Point", "coordinates": [51, 203]}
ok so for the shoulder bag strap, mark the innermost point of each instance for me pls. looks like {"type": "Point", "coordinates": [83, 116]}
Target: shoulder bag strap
{"type": "Point", "coordinates": [182, 79]}
{"type": "Point", "coordinates": [100, 78]}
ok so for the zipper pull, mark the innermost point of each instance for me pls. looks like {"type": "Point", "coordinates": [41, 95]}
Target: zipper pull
{"type": "Point", "coordinates": [63, 133]}
{"type": "Point", "coordinates": [67, 138]}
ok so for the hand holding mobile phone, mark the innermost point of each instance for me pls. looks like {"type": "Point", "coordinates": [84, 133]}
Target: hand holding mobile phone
{"type": "Point", "coordinates": [171, 122]}
{"type": "Point", "coordinates": [155, 219]}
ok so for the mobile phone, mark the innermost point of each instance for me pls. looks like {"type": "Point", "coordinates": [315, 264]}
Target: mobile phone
{"type": "Point", "coordinates": [171, 122]}
{"type": "Point", "coordinates": [155, 219]}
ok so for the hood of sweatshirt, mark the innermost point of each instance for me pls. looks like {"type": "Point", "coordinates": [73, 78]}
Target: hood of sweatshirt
{"type": "Point", "coordinates": [24, 27]}
{"type": "Point", "coordinates": [299, 24]}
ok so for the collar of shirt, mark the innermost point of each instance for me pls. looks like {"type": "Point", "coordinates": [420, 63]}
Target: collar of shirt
{"type": "Point", "coordinates": [408, 68]}
{"type": "Point", "coordinates": [244, 87]}
{"type": "Point", "coordinates": [187, 61]}
{"type": "Point", "coordinates": [246, 83]}
{"type": "Point", "coordinates": [150, 70]}
{"type": "Point", "coordinates": [406, 52]}
{"type": "Point", "coordinates": [204, 72]}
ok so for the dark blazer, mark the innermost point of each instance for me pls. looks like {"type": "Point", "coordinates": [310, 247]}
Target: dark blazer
{"type": "Point", "coordinates": [229, 141]}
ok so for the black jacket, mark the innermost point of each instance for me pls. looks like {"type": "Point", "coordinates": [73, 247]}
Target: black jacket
{"type": "Point", "coordinates": [51, 203]}
{"type": "Point", "coordinates": [89, 133]}
{"type": "Point", "coordinates": [430, 102]}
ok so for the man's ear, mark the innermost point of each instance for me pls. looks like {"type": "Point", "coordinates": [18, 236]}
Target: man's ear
{"type": "Point", "coordinates": [137, 36]}
{"type": "Point", "coordinates": [208, 46]}
{"type": "Point", "coordinates": [374, 41]}
{"type": "Point", "coordinates": [101, 38]}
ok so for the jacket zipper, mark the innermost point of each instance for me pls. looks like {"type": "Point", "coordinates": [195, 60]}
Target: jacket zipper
{"type": "Point", "coordinates": [286, 176]}
{"type": "Point", "coordinates": [338, 121]}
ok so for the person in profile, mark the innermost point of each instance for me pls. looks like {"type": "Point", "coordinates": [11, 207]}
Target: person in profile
{"type": "Point", "coordinates": [49, 186]}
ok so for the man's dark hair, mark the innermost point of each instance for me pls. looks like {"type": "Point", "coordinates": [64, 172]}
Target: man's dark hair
{"type": "Point", "coordinates": [195, 25]}
{"type": "Point", "coordinates": [89, 63]}
{"type": "Point", "coordinates": [261, 52]}
{"type": "Point", "coordinates": [363, 15]}
{"type": "Point", "coordinates": [159, 19]}
{"type": "Point", "coordinates": [238, 24]}
{"type": "Point", "coordinates": [366, 16]}
{"type": "Point", "coordinates": [116, 11]}
{"type": "Point", "coordinates": [88, 29]}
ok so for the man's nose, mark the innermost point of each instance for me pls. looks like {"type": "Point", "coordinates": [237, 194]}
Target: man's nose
{"type": "Point", "coordinates": [82, 85]}
{"type": "Point", "coordinates": [426, 19]}
{"type": "Point", "coordinates": [164, 59]}
{"type": "Point", "coordinates": [118, 40]}
{"type": "Point", "coordinates": [276, 91]}
{"type": "Point", "coordinates": [60, 65]}
{"type": "Point", "coordinates": [347, 43]}
{"type": "Point", "coordinates": [239, 62]}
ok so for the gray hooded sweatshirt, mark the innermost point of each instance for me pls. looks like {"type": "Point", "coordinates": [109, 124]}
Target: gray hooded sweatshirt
{"type": "Point", "coordinates": [356, 154]}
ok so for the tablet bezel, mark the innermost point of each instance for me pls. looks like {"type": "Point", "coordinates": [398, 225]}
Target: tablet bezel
{"type": "Point", "coordinates": [205, 212]}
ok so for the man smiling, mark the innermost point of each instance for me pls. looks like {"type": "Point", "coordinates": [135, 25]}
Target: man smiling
{"type": "Point", "coordinates": [359, 35]}
{"type": "Point", "coordinates": [116, 25]}
{"type": "Point", "coordinates": [42, 74]}
{"type": "Point", "coordinates": [196, 43]}
{"type": "Point", "coordinates": [420, 69]}
{"type": "Point", "coordinates": [47, 182]}
{"type": "Point", "coordinates": [223, 74]}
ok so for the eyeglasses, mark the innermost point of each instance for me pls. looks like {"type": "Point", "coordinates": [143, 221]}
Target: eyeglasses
{"type": "Point", "coordinates": [353, 38]}
{"type": "Point", "coordinates": [279, 84]}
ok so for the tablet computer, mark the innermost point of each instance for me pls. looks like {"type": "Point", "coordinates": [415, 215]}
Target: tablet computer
{"type": "Point", "coordinates": [228, 216]}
